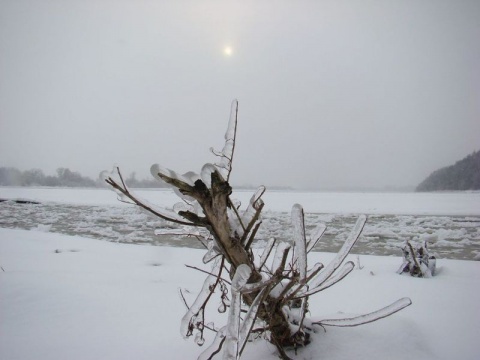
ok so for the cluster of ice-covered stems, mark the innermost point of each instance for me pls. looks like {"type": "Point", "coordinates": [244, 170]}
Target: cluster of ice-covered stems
{"type": "Point", "coordinates": [417, 261]}
{"type": "Point", "coordinates": [274, 284]}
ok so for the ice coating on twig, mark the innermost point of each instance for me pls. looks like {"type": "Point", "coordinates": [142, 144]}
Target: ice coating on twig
{"type": "Point", "coordinates": [249, 321]}
{"type": "Point", "coordinates": [280, 251]}
{"type": "Point", "coordinates": [247, 288]}
{"type": "Point", "coordinates": [255, 203]}
{"type": "Point", "coordinates": [206, 174]}
{"type": "Point", "coordinates": [341, 255]}
{"type": "Point", "coordinates": [212, 252]}
{"type": "Point", "coordinates": [265, 254]}
{"type": "Point", "coordinates": [225, 164]}
{"type": "Point", "coordinates": [316, 236]}
{"type": "Point", "coordinates": [344, 271]}
{"type": "Point", "coordinates": [186, 325]}
{"type": "Point", "coordinates": [157, 169]}
{"type": "Point", "coordinates": [115, 180]}
{"type": "Point", "coordinates": [215, 346]}
{"type": "Point", "coordinates": [115, 176]}
{"type": "Point", "coordinates": [241, 276]}
{"type": "Point", "coordinates": [300, 257]}
{"type": "Point", "coordinates": [233, 324]}
{"type": "Point", "coordinates": [367, 318]}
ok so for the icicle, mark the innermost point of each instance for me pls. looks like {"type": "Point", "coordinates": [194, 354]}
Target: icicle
{"type": "Point", "coordinates": [199, 339]}
{"type": "Point", "coordinates": [300, 258]}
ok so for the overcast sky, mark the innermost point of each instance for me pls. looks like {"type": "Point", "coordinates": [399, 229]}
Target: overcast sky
{"type": "Point", "coordinates": [332, 94]}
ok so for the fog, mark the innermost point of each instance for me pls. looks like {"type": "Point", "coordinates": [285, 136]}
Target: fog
{"type": "Point", "coordinates": [332, 95]}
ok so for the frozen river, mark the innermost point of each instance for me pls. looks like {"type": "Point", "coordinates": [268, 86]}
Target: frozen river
{"type": "Point", "coordinates": [449, 221]}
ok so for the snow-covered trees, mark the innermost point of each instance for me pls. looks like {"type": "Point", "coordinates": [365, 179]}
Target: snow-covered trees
{"type": "Point", "coordinates": [269, 290]}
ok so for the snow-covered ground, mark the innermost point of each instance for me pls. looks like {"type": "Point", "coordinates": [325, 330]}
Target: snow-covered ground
{"type": "Point", "coordinates": [71, 297]}
{"type": "Point", "coordinates": [66, 297]}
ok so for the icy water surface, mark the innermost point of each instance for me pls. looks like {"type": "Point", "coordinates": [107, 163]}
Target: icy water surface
{"type": "Point", "coordinates": [451, 237]}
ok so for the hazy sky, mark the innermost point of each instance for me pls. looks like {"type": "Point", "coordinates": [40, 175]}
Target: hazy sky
{"type": "Point", "coordinates": [331, 93]}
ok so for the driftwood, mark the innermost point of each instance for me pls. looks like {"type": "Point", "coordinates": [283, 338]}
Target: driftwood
{"type": "Point", "coordinates": [274, 285]}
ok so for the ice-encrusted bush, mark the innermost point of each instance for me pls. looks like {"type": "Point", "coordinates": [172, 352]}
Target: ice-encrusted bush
{"type": "Point", "coordinates": [268, 291]}
{"type": "Point", "coordinates": [417, 261]}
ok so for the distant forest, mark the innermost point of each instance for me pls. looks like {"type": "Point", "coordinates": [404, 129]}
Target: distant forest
{"type": "Point", "coordinates": [10, 176]}
{"type": "Point", "coordinates": [463, 175]}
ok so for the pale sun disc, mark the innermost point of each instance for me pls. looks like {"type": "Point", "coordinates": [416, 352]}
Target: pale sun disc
{"type": "Point", "coordinates": [228, 51]}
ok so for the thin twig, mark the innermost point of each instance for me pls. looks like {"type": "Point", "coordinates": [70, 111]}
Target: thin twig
{"type": "Point", "coordinates": [207, 272]}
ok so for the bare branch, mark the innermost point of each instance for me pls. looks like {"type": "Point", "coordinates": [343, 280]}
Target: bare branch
{"type": "Point", "coordinates": [143, 204]}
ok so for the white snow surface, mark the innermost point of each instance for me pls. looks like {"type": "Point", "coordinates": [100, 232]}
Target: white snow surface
{"type": "Point", "coordinates": [64, 297]}
{"type": "Point", "coordinates": [438, 203]}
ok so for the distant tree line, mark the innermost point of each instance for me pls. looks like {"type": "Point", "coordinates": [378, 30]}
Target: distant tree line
{"type": "Point", "coordinates": [463, 175]}
{"type": "Point", "coordinates": [10, 176]}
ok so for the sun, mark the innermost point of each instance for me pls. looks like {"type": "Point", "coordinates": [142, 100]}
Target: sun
{"type": "Point", "coordinates": [227, 51]}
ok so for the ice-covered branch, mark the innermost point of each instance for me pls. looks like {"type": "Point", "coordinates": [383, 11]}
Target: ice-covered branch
{"type": "Point", "coordinates": [240, 278]}
{"type": "Point", "coordinates": [300, 257]}
{"type": "Point", "coordinates": [316, 236]}
{"type": "Point", "coordinates": [225, 165]}
{"type": "Point", "coordinates": [367, 318]}
{"type": "Point", "coordinates": [188, 321]}
{"type": "Point", "coordinates": [340, 257]}
{"type": "Point", "coordinates": [160, 212]}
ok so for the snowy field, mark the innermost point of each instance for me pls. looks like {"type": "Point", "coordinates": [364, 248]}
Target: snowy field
{"type": "Point", "coordinates": [73, 297]}
{"type": "Point", "coordinates": [65, 297]}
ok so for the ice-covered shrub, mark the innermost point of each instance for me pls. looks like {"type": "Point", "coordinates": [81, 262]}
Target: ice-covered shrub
{"type": "Point", "coordinates": [417, 261]}
{"type": "Point", "coordinates": [268, 291]}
